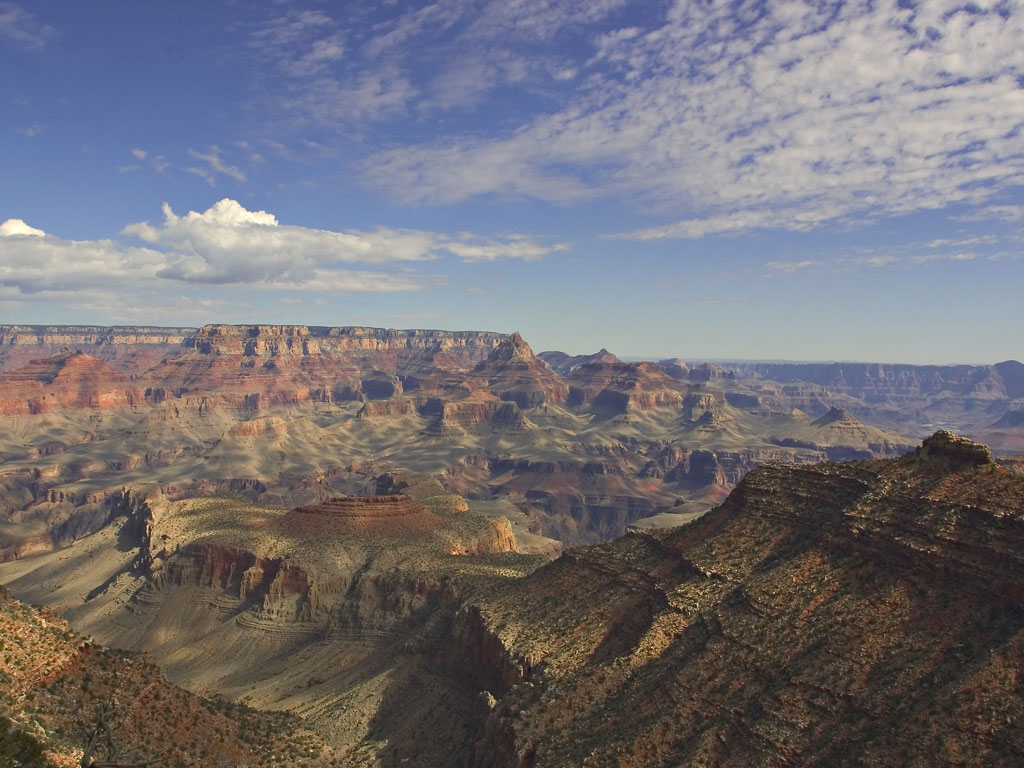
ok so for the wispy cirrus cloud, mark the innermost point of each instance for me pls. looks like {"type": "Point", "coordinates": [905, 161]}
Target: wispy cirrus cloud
{"type": "Point", "coordinates": [20, 27]}
{"type": "Point", "coordinates": [214, 166]}
{"type": "Point", "coordinates": [156, 162]}
{"type": "Point", "coordinates": [761, 115]}
{"type": "Point", "coordinates": [1010, 213]}
{"type": "Point", "coordinates": [342, 69]}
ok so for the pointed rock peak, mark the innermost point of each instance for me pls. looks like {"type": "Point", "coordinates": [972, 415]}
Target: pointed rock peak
{"type": "Point", "coordinates": [947, 445]}
{"type": "Point", "coordinates": [512, 348]}
{"type": "Point", "coordinates": [836, 416]}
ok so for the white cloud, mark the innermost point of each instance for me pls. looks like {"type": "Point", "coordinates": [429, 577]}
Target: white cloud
{"type": "Point", "coordinates": [19, 227]}
{"type": "Point", "coordinates": [228, 243]}
{"type": "Point", "coordinates": [20, 27]}
{"type": "Point", "coordinates": [34, 130]}
{"type": "Point", "coordinates": [437, 56]}
{"type": "Point", "coordinates": [1011, 213]}
{"type": "Point", "coordinates": [156, 162]}
{"type": "Point", "coordinates": [775, 268]}
{"type": "Point", "coordinates": [214, 165]}
{"type": "Point", "coordinates": [752, 114]}
{"type": "Point", "coordinates": [43, 263]}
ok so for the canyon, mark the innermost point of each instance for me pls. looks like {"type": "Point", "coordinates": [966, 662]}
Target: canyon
{"type": "Point", "coordinates": [441, 547]}
{"type": "Point", "coordinates": [836, 613]}
{"type": "Point", "coordinates": [295, 414]}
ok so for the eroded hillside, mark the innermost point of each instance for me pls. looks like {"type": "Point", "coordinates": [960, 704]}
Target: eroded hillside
{"type": "Point", "coordinates": [64, 696]}
{"type": "Point", "coordinates": [858, 613]}
{"type": "Point", "coordinates": [835, 614]}
{"type": "Point", "coordinates": [292, 415]}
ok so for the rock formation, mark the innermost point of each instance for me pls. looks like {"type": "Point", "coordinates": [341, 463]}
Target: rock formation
{"type": "Point", "coordinates": [913, 399]}
{"type": "Point", "coordinates": [860, 613]}
{"type": "Point", "coordinates": [512, 372]}
{"type": "Point", "coordinates": [622, 387]}
{"type": "Point", "coordinates": [58, 685]}
{"type": "Point", "coordinates": [294, 414]}
{"type": "Point", "coordinates": [564, 364]}
{"type": "Point", "coordinates": [832, 614]}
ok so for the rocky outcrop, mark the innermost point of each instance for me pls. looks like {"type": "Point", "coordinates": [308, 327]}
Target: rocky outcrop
{"type": "Point", "coordinates": [294, 414]}
{"type": "Point", "coordinates": [674, 367]}
{"type": "Point", "coordinates": [705, 372]}
{"type": "Point", "coordinates": [134, 348]}
{"type": "Point", "coordinates": [512, 372]}
{"type": "Point", "coordinates": [251, 368]}
{"type": "Point", "coordinates": [862, 613]}
{"type": "Point", "coordinates": [68, 380]}
{"type": "Point", "coordinates": [275, 340]}
{"type": "Point", "coordinates": [831, 614]}
{"type": "Point", "coordinates": [622, 387]}
{"type": "Point", "coordinates": [564, 364]}
{"type": "Point", "coordinates": [59, 684]}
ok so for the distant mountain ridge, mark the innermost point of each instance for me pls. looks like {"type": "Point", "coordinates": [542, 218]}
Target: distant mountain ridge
{"type": "Point", "coordinates": [879, 379]}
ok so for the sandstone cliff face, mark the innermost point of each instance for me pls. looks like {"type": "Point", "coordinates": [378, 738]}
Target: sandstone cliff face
{"type": "Point", "coordinates": [127, 347]}
{"type": "Point", "coordinates": [831, 614]}
{"type": "Point", "coordinates": [266, 341]}
{"type": "Point", "coordinates": [564, 364]}
{"type": "Point", "coordinates": [65, 381]}
{"type": "Point", "coordinates": [291, 414]}
{"type": "Point", "coordinates": [512, 372]}
{"type": "Point", "coordinates": [622, 387]}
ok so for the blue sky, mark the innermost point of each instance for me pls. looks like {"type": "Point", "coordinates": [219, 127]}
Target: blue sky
{"type": "Point", "coordinates": [795, 180]}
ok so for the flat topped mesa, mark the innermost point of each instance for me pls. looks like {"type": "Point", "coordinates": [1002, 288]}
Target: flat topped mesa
{"type": "Point", "coordinates": [369, 517]}
{"type": "Point", "coordinates": [365, 506]}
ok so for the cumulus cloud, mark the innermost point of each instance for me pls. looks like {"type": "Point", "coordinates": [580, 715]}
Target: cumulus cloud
{"type": "Point", "coordinates": [33, 262]}
{"type": "Point", "coordinates": [228, 243]}
{"type": "Point", "coordinates": [752, 114]}
{"type": "Point", "coordinates": [18, 227]}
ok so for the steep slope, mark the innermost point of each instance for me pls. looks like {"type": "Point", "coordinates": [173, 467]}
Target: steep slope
{"type": "Point", "coordinates": [322, 610]}
{"type": "Point", "coordinates": [58, 687]}
{"type": "Point", "coordinates": [513, 372]}
{"type": "Point", "coordinates": [65, 381]}
{"type": "Point", "coordinates": [564, 364]}
{"type": "Point", "coordinates": [127, 348]}
{"type": "Point", "coordinates": [863, 613]}
{"type": "Point", "coordinates": [832, 614]}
